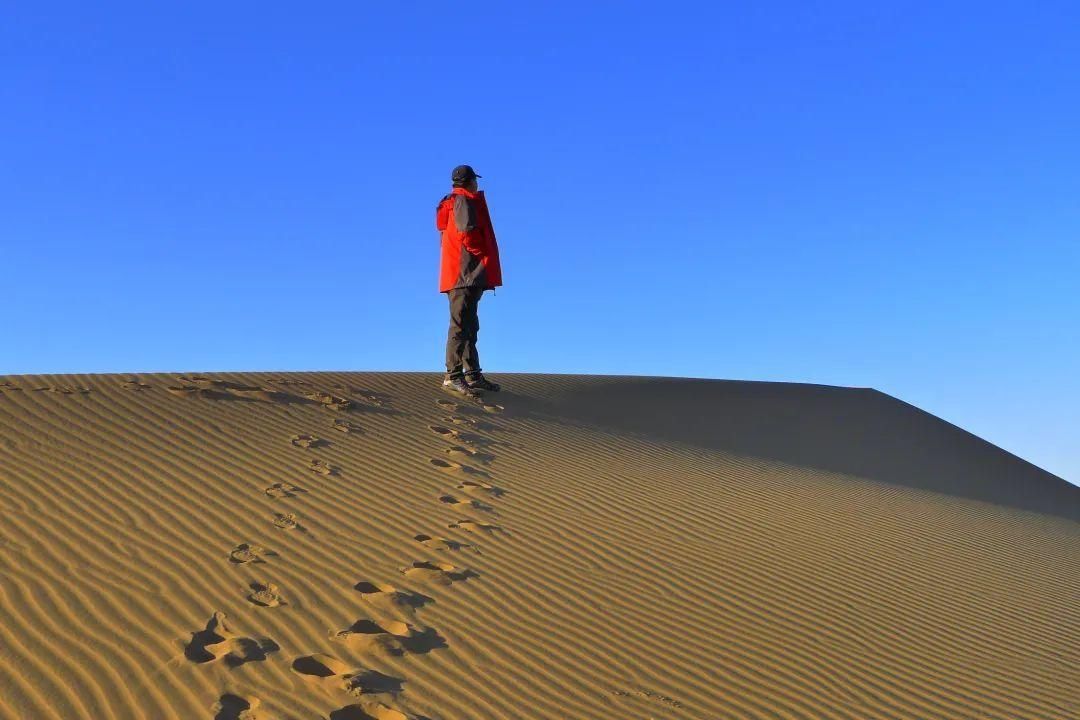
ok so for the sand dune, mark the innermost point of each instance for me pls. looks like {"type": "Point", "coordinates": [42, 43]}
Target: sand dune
{"type": "Point", "coordinates": [350, 546]}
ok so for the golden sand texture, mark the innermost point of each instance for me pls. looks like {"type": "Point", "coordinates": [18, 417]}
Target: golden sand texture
{"type": "Point", "coordinates": [349, 546]}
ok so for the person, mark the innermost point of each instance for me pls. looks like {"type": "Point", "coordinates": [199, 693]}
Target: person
{"type": "Point", "coordinates": [469, 266]}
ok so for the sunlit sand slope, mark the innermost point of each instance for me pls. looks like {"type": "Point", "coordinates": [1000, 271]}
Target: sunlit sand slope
{"type": "Point", "coordinates": [351, 546]}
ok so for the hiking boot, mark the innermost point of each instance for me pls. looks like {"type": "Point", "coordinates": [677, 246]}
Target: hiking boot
{"type": "Point", "coordinates": [457, 384]}
{"type": "Point", "coordinates": [477, 381]}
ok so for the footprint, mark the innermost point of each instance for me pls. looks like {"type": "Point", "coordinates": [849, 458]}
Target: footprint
{"type": "Point", "coordinates": [255, 392]}
{"type": "Point", "coordinates": [319, 666]}
{"type": "Point", "coordinates": [357, 681]}
{"type": "Point", "coordinates": [446, 465]}
{"type": "Point", "coordinates": [491, 407]}
{"type": "Point", "coordinates": [351, 712]}
{"type": "Point", "coordinates": [322, 467]}
{"type": "Point", "coordinates": [382, 712]}
{"type": "Point", "coordinates": [287, 521]}
{"type": "Point", "coordinates": [265, 594]}
{"type": "Point", "coordinates": [8, 386]}
{"type": "Point", "coordinates": [236, 707]}
{"type": "Point", "coordinates": [184, 391]}
{"type": "Point", "coordinates": [474, 441]}
{"type": "Point", "coordinates": [330, 402]}
{"type": "Point", "coordinates": [134, 384]}
{"type": "Point", "coordinates": [393, 637]}
{"type": "Point", "coordinates": [464, 453]}
{"type": "Point", "coordinates": [650, 696]}
{"type": "Point", "coordinates": [63, 389]}
{"type": "Point", "coordinates": [469, 444]}
{"type": "Point", "coordinates": [444, 573]}
{"type": "Point", "coordinates": [248, 391]}
{"type": "Point", "coordinates": [203, 387]}
{"type": "Point", "coordinates": [443, 431]}
{"type": "Point", "coordinates": [474, 526]}
{"type": "Point", "coordinates": [385, 595]}
{"type": "Point", "coordinates": [216, 632]}
{"type": "Point", "coordinates": [447, 405]}
{"type": "Point", "coordinates": [444, 543]}
{"type": "Point", "coordinates": [198, 380]}
{"type": "Point", "coordinates": [327, 669]}
{"type": "Point", "coordinates": [368, 397]}
{"type": "Point", "coordinates": [246, 553]}
{"type": "Point", "coordinates": [476, 422]}
{"type": "Point", "coordinates": [456, 468]}
{"type": "Point", "coordinates": [371, 637]}
{"type": "Point", "coordinates": [378, 712]}
{"type": "Point", "coordinates": [218, 642]}
{"type": "Point", "coordinates": [472, 486]}
{"type": "Point", "coordinates": [459, 503]}
{"type": "Point", "coordinates": [346, 426]}
{"type": "Point", "coordinates": [372, 682]}
{"type": "Point", "coordinates": [307, 441]}
{"type": "Point", "coordinates": [283, 490]}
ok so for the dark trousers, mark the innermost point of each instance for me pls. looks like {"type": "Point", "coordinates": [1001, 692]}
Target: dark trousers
{"type": "Point", "coordinates": [461, 355]}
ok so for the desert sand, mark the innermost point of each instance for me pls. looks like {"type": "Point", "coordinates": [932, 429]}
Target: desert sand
{"type": "Point", "coordinates": [361, 545]}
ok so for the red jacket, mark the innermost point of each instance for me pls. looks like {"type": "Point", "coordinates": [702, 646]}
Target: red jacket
{"type": "Point", "coordinates": [470, 255]}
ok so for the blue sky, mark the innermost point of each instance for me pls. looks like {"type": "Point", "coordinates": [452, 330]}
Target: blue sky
{"type": "Point", "coordinates": [848, 193]}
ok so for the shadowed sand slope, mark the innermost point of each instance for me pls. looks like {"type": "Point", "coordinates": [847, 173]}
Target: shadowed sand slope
{"type": "Point", "coordinates": [264, 546]}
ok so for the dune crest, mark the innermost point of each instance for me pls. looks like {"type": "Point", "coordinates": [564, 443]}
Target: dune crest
{"type": "Point", "coordinates": [360, 545]}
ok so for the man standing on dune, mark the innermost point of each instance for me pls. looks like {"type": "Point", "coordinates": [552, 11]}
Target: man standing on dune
{"type": "Point", "coordinates": [470, 265]}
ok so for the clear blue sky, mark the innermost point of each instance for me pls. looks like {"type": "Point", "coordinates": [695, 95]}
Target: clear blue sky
{"type": "Point", "coordinates": [851, 193]}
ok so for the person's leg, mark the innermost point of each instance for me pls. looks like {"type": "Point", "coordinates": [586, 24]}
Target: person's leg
{"type": "Point", "coordinates": [457, 336]}
{"type": "Point", "coordinates": [470, 357]}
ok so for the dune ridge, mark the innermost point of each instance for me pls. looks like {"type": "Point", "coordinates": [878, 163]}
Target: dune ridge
{"type": "Point", "coordinates": [361, 545]}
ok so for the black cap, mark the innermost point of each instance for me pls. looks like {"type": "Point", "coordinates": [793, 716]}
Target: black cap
{"type": "Point", "coordinates": [463, 174]}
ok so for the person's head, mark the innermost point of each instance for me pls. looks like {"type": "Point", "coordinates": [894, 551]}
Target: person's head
{"type": "Point", "coordinates": [463, 176]}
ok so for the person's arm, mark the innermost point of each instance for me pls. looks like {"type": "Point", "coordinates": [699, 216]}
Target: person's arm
{"type": "Point", "coordinates": [442, 214]}
{"type": "Point", "coordinates": [467, 222]}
